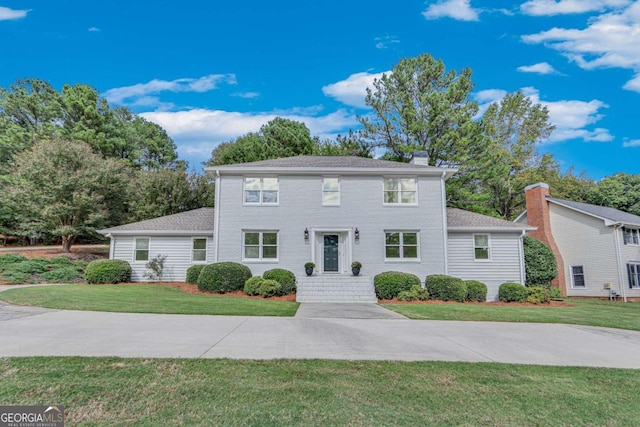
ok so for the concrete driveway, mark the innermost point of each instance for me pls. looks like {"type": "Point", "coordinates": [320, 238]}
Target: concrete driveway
{"type": "Point", "coordinates": [28, 331]}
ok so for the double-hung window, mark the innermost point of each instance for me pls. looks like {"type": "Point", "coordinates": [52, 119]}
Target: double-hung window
{"type": "Point", "coordinates": [633, 269]}
{"type": "Point", "coordinates": [141, 252]}
{"type": "Point", "coordinates": [631, 236]}
{"type": "Point", "coordinates": [331, 192]}
{"type": "Point", "coordinates": [400, 191]}
{"type": "Point", "coordinates": [577, 277]}
{"type": "Point", "coordinates": [482, 247]}
{"type": "Point", "coordinates": [199, 250]}
{"type": "Point", "coordinates": [260, 245]}
{"type": "Point", "coordinates": [260, 191]}
{"type": "Point", "coordinates": [401, 245]}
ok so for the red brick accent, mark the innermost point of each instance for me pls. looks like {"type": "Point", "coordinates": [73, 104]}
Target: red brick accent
{"type": "Point", "coordinates": [538, 216]}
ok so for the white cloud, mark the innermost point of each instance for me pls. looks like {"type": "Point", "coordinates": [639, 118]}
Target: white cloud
{"type": "Point", "coordinates": [460, 10]}
{"type": "Point", "coordinates": [353, 89]}
{"type": "Point", "coordinates": [246, 95]}
{"type": "Point", "coordinates": [627, 143]}
{"type": "Point", "coordinates": [386, 41]}
{"type": "Point", "coordinates": [572, 118]}
{"type": "Point", "coordinates": [539, 68]}
{"type": "Point", "coordinates": [565, 7]}
{"type": "Point", "coordinates": [93, 29]}
{"type": "Point", "coordinates": [7, 14]}
{"type": "Point", "coordinates": [610, 40]}
{"type": "Point", "coordinates": [132, 93]}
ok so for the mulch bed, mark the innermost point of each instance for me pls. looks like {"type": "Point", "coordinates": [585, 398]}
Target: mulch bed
{"type": "Point", "coordinates": [488, 304]}
{"type": "Point", "coordinates": [193, 289]}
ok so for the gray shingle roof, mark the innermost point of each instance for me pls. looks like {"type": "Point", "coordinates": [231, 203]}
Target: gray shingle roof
{"type": "Point", "coordinates": [610, 214]}
{"type": "Point", "coordinates": [458, 218]}
{"type": "Point", "coordinates": [194, 220]}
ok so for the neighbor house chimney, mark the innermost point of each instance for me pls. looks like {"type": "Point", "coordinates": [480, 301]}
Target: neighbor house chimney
{"type": "Point", "coordinates": [538, 216]}
{"type": "Point", "coordinates": [420, 158]}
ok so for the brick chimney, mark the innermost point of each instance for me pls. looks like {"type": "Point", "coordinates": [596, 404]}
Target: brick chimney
{"type": "Point", "coordinates": [538, 216]}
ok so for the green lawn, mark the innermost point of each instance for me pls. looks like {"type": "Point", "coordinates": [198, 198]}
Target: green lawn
{"type": "Point", "coordinates": [105, 392]}
{"type": "Point", "coordinates": [584, 312]}
{"type": "Point", "coordinates": [143, 299]}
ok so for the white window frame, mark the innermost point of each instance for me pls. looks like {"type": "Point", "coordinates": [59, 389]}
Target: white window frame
{"type": "Point", "coordinates": [573, 280]}
{"type": "Point", "coordinates": [260, 246]}
{"type": "Point", "coordinates": [635, 236]}
{"type": "Point", "coordinates": [325, 192]}
{"type": "Point", "coordinates": [401, 245]}
{"type": "Point", "coordinates": [206, 250]}
{"type": "Point", "coordinates": [488, 247]}
{"type": "Point", "coordinates": [135, 250]}
{"type": "Point", "coordinates": [399, 191]}
{"type": "Point", "coordinates": [636, 274]}
{"type": "Point", "coordinates": [261, 191]}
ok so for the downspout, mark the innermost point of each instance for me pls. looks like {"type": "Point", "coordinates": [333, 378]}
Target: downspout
{"type": "Point", "coordinates": [112, 245]}
{"type": "Point", "coordinates": [445, 232]}
{"type": "Point", "coordinates": [616, 236]}
{"type": "Point", "coordinates": [523, 272]}
{"type": "Point", "coordinates": [216, 220]}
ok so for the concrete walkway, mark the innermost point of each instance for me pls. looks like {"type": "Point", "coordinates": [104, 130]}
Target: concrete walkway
{"type": "Point", "coordinates": [26, 331]}
{"type": "Point", "coordinates": [322, 310]}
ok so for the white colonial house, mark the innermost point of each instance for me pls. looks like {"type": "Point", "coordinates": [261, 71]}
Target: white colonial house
{"type": "Point", "coordinates": [332, 211]}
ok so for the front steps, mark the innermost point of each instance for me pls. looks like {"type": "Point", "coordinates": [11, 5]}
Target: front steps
{"type": "Point", "coordinates": [335, 288]}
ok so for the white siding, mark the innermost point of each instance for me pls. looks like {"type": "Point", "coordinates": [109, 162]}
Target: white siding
{"type": "Point", "coordinates": [177, 249]}
{"type": "Point", "coordinates": [628, 253]}
{"type": "Point", "coordinates": [504, 266]}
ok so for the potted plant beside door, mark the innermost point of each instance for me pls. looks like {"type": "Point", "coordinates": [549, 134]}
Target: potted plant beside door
{"type": "Point", "coordinates": [355, 268]}
{"type": "Point", "coordinates": [308, 268]}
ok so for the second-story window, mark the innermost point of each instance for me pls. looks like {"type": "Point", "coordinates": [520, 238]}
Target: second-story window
{"type": "Point", "coordinates": [400, 191]}
{"type": "Point", "coordinates": [631, 236]}
{"type": "Point", "coordinates": [261, 191]}
{"type": "Point", "coordinates": [330, 191]}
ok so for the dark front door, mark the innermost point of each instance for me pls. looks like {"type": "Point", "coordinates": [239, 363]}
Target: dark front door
{"type": "Point", "coordinates": [331, 253]}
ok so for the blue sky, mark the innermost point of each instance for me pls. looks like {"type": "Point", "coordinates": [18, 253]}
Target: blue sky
{"type": "Point", "coordinates": [210, 71]}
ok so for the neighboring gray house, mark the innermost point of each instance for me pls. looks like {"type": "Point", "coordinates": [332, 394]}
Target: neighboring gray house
{"type": "Point", "coordinates": [334, 210]}
{"type": "Point", "coordinates": [597, 248]}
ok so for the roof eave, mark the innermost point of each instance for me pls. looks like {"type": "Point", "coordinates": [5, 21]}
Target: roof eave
{"type": "Point", "coordinates": [493, 229]}
{"type": "Point", "coordinates": [607, 222]}
{"type": "Point", "coordinates": [431, 171]}
{"type": "Point", "coordinates": [116, 232]}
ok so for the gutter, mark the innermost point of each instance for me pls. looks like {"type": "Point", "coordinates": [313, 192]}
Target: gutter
{"type": "Point", "coordinates": [523, 271]}
{"type": "Point", "coordinates": [445, 233]}
{"type": "Point", "coordinates": [216, 220]}
{"type": "Point", "coordinates": [616, 238]}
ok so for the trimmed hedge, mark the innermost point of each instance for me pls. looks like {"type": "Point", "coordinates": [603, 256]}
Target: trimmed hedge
{"type": "Point", "coordinates": [416, 292]}
{"type": "Point", "coordinates": [108, 271]}
{"type": "Point", "coordinates": [269, 288]}
{"type": "Point", "coordinates": [390, 283]}
{"type": "Point", "coordinates": [223, 277]}
{"type": "Point", "coordinates": [512, 292]}
{"type": "Point", "coordinates": [446, 288]}
{"type": "Point", "coordinates": [538, 295]}
{"type": "Point", "coordinates": [476, 291]}
{"type": "Point", "coordinates": [286, 279]}
{"type": "Point", "coordinates": [555, 293]}
{"type": "Point", "coordinates": [252, 284]}
{"type": "Point", "coordinates": [539, 262]}
{"type": "Point", "coordinates": [193, 272]}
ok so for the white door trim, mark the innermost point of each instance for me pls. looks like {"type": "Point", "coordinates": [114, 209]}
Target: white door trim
{"type": "Point", "coordinates": [345, 245]}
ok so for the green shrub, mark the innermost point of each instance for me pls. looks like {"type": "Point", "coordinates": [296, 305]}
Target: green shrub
{"type": "Point", "coordinates": [17, 277]}
{"type": "Point", "coordinates": [108, 271]}
{"type": "Point", "coordinates": [476, 291]}
{"type": "Point", "coordinates": [61, 275]}
{"type": "Point", "coordinates": [269, 288]}
{"type": "Point", "coordinates": [389, 284]}
{"type": "Point", "coordinates": [11, 259]}
{"type": "Point", "coordinates": [446, 288]}
{"type": "Point", "coordinates": [512, 292]}
{"type": "Point", "coordinates": [416, 292]}
{"type": "Point", "coordinates": [80, 265]}
{"type": "Point", "coordinates": [223, 277]}
{"type": "Point", "coordinates": [193, 272]}
{"type": "Point", "coordinates": [540, 263]}
{"type": "Point", "coordinates": [286, 279]}
{"type": "Point", "coordinates": [60, 261]}
{"type": "Point", "coordinates": [538, 295]}
{"type": "Point", "coordinates": [555, 293]}
{"type": "Point", "coordinates": [28, 267]}
{"type": "Point", "coordinates": [252, 284]}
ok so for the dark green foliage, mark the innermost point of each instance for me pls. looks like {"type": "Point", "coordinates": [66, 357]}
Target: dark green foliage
{"type": "Point", "coordinates": [223, 277]}
{"type": "Point", "coordinates": [512, 292]}
{"type": "Point", "coordinates": [11, 259]}
{"type": "Point", "coordinates": [108, 271]}
{"type": "Point", "coordinates": [538, 295]}
{"type": "Point", "coordinates": [29, 267]}
{"type": "Point", "coordinates": [80, 265]}
{"type": "Point", "coordinates": [555, 293]}
{"type": "Point", "coordinates": [252, 284]}
{"type": "Point", "coordinates": [446, 288]}
{"type": "Point", "coordinates": [61, 261]}
{"type": "Point", "coordinates": [476, 291]}
{"type": "Point", "coordinates": [286, 279]}
{"type": "Point", "coordinates": [389, 284]}
{"type": "Point", "coordinates": [17, 277]}
{"type": "Point", "coordinates": [269, 288]}
{"type": "Point", "coordinates": [61, 275]}
{"type": "Point", "coordinates": [540, 263]}
{"type": "Point", "coordinates": [416, 292]}
{"type": "Point", "coordinates": [193, 272]}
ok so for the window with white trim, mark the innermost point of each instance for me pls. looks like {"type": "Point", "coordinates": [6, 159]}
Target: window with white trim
{"type": "Point", "coordinates": [260, 191]}
{"type": "Point", "coordinates": [141, 252]}
{"type": "Point", "coordinates": [199, 249]}
{"type": "Point", "coordinates": [401, 245]}
{"type": "Point", "coordinates": [482, 247]}
{"type": "Point", "coordinates": [260, 245]}
{"type": "Point", "coordinates": [331, 191]}
{"type": "Point", "coordinates": [633, 270]}
{"type": "Point", "coordinates": [631, 236]}
{"type": "Point", "coordinates": [577, 277]}
{"type": "Point", "coordinates": [400, 191]}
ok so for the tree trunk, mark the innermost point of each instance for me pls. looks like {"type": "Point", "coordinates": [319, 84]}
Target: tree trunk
{"type": "Point", "coordinates": [67, 241]}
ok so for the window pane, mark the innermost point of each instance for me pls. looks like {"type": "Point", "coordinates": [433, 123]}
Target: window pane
{"type": "Point", "coordinates": [393, 238]}
{"type": "Point", "coordinates": [393, 252]}
{"type": "Point", "coordinates": [578, 281]}
{"type": "Point", "coordinates": [142, 255]}
{"type": "Point", "coordinates": [390, 197]}
{"type": "Point", "coordinates": [270, 238]}
{"type": "Point", "coordinates": [390, 184]}
{"type": "Point", "coordinates": [251, 238]}
{"type": "Point", "coordinates": [481, 240]}
{"type": "Point", "coordinates": [410, 238]}
{"type": "Point", "coordinates": [331, 198]}
{"type": "Point", "coordinates": [330, 184]}
{"type": "Point", "coordinates": [142, 243]}
{"type": "Point", "coordinates": [408, 197]}
{"type": "Point", "coordinates": [199, 243]}
{"type": "Point", "coordinates": [578, 269]}
{"type": "Point", "coordinates": [408, 184]}
{"type": "Point", "coordinates": [270, 252]}
{"type": "Point", "coordinates": [269, 197]}
{"type": "Point", "coordinates": [269, 183]}
{"type": "Point", "coordinates": [482, 253]}
{"type": "Point", "coordinates": [252, 184]}
{"type": "Point", "coordinates": [251, 252]}
{"type": "Point", "coordinates": [252, 197]}
{"type": "Point", "coordinates": [199, 255]}
{"type": "Point", "coordinates": [410, 252]}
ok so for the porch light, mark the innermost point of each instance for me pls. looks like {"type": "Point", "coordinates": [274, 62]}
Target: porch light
{"type": "Point", "coordinates": [356, 234]}
{"type": "Point", "coordinates": [306, 234]}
